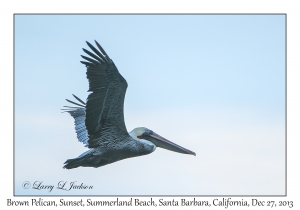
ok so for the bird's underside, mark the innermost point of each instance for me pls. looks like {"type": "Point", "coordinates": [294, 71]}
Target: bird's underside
{"type": "Point", "coordinates": [99, 122]}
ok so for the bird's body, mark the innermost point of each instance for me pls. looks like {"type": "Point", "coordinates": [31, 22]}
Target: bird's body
{"type": "Point", "coordinates": [99, 123]}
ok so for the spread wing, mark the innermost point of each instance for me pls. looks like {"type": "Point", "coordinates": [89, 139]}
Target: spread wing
{"type": "Point", "coordinates": [78, 113]}
{"type": "Point", "coordinates": [104, 106]}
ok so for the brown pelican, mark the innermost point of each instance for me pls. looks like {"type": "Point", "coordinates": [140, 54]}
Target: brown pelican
{"type": "Point", "coordinates": [99, 123]}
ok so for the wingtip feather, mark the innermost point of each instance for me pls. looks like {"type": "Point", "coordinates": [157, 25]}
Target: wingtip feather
{"type": "Point", "coordinates": [79, 99]}
{"type": "Point", "coordinates": [101, 49]}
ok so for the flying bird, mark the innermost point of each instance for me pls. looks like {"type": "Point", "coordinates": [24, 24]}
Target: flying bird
{"type": "Point", "coordinates": [99, 123]}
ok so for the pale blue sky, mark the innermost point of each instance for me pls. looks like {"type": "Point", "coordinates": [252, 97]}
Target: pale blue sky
{"type": "Point", "coordinates": [214, 84]}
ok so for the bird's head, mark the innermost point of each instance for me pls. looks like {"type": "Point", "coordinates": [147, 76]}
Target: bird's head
{"type": "Point", "coordinates": [159, 141]}
{"type": "Point", "coordinates": [138, 133]}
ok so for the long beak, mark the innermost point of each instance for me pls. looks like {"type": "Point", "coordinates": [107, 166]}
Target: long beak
{"type": "Point", "coordinates": [166, 144]}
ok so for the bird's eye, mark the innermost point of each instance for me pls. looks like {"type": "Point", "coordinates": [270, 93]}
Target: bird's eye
{"type": "Point", "coordinates": [149, 132]}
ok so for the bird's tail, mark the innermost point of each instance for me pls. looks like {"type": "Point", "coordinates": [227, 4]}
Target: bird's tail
{"type": "Point", "coordinates": [87, 159]}
{"type": "Point", "coordinates": [81, 160]}
{"type": "Point", "coordinates": [72, 163]}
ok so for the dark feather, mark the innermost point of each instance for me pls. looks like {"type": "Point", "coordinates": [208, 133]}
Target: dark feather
{"type": "Point", "coordinates": [96, 51]}
{"type": "Point", "coordinates": [101, 49]}
{"type": "Point", "coordinates": [86, 63]}
{"type": "Point", "coordinates": [75, 103]}
{"type": "Point", "coordinates": [78, 99]}
{"type": "Point", "coordinates": [89, 59]}
{"type": "Point", "coordinates": [93, 55]}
